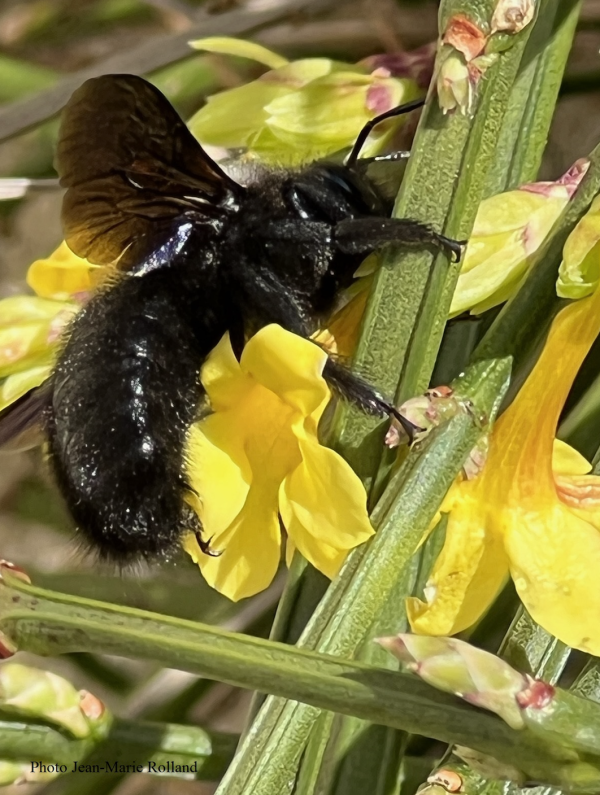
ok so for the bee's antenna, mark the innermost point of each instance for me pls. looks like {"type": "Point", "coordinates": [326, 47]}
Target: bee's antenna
{"type": "Point", "coordinates": [364, 133]}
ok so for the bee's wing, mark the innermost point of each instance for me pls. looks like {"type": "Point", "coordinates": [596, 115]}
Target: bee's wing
{"type": "Point", "coordinates": [131, 166]}
{"type": "Point", "coordinates": [21, 423]}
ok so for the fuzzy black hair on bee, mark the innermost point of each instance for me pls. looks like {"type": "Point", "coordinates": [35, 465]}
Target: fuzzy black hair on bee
{"type": "Point", "coordinates": [198, 255]}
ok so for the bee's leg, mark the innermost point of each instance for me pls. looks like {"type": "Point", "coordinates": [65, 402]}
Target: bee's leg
{"type": "Point", "coordinates": [191, 521]}
{"type": "Point", "coordinates": [360, 393]}
{"type": "Point", "coordinates": [363, 235]}
{"type": "Point", "coordinates": [205, 546]}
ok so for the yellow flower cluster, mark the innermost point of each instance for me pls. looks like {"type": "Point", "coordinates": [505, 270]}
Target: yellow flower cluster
{"type": "Point", "coordinates": [533, 512]}
{"type": "Point", "coordinates": [30, 326]}
{"type": "Point", "coordinates": [301, 110]}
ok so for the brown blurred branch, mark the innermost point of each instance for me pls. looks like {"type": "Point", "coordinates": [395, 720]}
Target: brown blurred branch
{"type": "Point", "coordinates": [158, 51]}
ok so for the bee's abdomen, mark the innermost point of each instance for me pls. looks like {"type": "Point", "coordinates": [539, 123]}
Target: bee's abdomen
{"type": "Point", "coordinates": [125, 391]}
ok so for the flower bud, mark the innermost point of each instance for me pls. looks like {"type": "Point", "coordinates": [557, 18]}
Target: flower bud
{"type": "Point", "coordinates": [456, 667]}
{"type": "Point", "coordinates": [579, 272]}
{"type": "Point", "coordinates": [511, 16]}
{"type": "Point", "coordinates": [41, 694]}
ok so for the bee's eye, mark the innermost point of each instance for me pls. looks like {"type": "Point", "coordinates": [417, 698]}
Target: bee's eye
{"type": "Point", "coordinates": [331, 193]}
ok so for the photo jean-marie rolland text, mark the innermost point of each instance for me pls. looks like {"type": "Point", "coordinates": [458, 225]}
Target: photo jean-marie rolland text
{"type": "Point", "coordinates": [300, 397]}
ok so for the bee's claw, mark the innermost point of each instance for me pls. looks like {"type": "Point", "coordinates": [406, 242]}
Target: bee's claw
{"type": "Point", "coordinates": [206, 548]}
{"type": "Point", "coordinates": [411, 429]}
{"type": "Point", "coordinates": [454, 248]}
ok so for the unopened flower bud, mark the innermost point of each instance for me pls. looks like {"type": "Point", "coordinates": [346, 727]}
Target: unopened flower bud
{"type": "Point", "coordinates": [511, 16]}
{"type": "Point", "coordinates": [453, 84]}
{"type": "Point", "coordinates": [456, 667]}
{"type": "Point", "coordinates": [41, 694]}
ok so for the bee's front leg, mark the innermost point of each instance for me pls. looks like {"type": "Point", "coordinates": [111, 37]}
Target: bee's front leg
{"type": "Point", "coordinates": [363, 235]}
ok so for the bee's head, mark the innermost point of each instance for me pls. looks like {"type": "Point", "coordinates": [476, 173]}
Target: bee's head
{"type": "Point", "coordinates": [330, 192]}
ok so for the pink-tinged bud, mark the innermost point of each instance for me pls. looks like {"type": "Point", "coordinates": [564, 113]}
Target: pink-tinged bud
{"type": "Point", "coordinates": [380, 98]}
{"type": "Point", "coordinates": [90, 705]}
{"type": "Point", "coordinates": [474, 675]}
{"type": "Point", "coordinates": [477, 458]}
{"type": "Point", "coordinates": [464, 35]}
{"type": "Point", "coordinates": [416, 65]}
{"type": "Point", "coordinates": [7, 647]}
{"type": "Point", "coordinates": [564, 186]}
{"type": "Point", "coordinates": [448, 779]}
{"type": "Point", "coordinates": [454, 85]}
{"type": "Point", "coordinates": [427, 412]}
{"type": "Point", "coordinates": [14, 571]}
{"type": "Point", "coordinates": [511, 16]}
{"type": "Point", "coordinates": [537, 695]}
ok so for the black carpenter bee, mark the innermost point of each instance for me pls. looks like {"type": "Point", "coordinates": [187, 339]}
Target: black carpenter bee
{"type": "Point", "coordinates": [198, 255]}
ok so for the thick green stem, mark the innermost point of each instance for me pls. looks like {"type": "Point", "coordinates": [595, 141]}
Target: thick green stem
{"type": "Point", "coordinates": [533, 98]}
{"type": "Point", "coordinates": [410, 299]}
{"type": "Point", "coordinates": [45, 622]}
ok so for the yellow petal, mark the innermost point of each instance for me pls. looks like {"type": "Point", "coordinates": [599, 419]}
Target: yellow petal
{"type": "Point", "coordinates": [344, 325]}
{"type": "Point", "coordinates": [223, 378]}
{"type": "Point", "coordinates": [238, 451]}
{"type": "Point", "coordinates": [225, 45]}
{"type": "Point", "coordinates": [289, 366]}
{"type": "Point", "coordinates": [233, 117]}
{"type": "Point", "coordinates": [555, 563]}
{"type": "Point", "coordinates": [63, 274]}
{"type": "Point", "coordinates": [579, 272]}
{"type": "Point", "coordinates": [523, 446]}
{"type": "Point", "coordinates": [328, 560]}
{"type": "Point", "coordinates": [508, 228]}
{"type": "Point", "coordinates": [237, 117]}
{"type": "Point", "coordinates": [330, 111]}
{"type": "Point", "coordinates": [469, 572]}
{"type": "Point", "coordinates": [567, 461]}
{"type": "Point", "coordinates": [325, 499]}
{"type": "Point", "coordinates": [29, 330]}
{"type": "Point", "coordinates": [217, 478]}
{"type": "Point", "coordinates": [250, 549]}
{"type": "Point", "coordinates": [15, 386]}
{"type": "Point", "coordinates": [582, 493]}
{"type": "Point", "coordinates": [28, 308]}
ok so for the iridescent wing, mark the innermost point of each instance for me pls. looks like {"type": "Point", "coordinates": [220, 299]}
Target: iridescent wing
{"type": "Point", "coordinates": [21, 423]}
{"type": "Point", "coordinates": [131, 167]}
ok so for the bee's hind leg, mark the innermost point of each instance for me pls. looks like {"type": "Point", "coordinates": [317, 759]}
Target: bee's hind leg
{"type": "Point", "coordinates": [360, 393]}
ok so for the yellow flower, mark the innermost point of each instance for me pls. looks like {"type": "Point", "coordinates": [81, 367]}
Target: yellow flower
{"type": "Point", "coordinates": [520, 517]}
{"type": "Point", "coordinates": [64, 276]}
{"type": "Point", "coordinates": [31, 325]}
{"type": "Point", "coordinates": [300, 110]}
{"type": "Point", "coordinates": [508, 229]}
{"type": "Point", "coordinates": [258, 458]}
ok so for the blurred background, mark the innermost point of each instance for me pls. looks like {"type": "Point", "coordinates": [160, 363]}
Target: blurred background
{"type": "Point", "coordinates": [42, 42]}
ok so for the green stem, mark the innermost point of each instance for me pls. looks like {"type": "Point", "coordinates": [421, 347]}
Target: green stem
{"type": "Point", "coordinates": [410, 299]}
{"type": "Point", "coordinates": [533, 98]}
{"type": "Point", "coordinates": [49, 623]}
